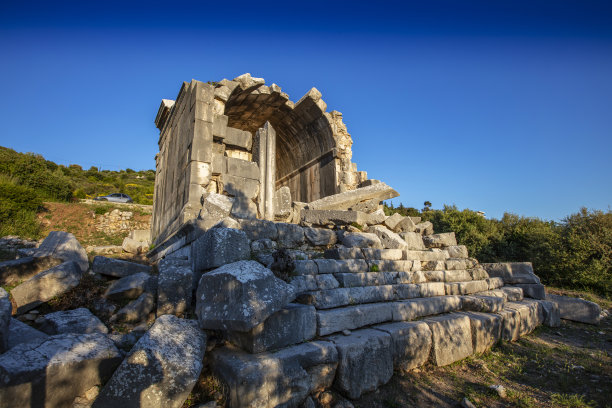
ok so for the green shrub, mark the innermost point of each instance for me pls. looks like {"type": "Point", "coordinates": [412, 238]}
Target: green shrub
{"type": "Point", "coordinates": [18, 206]}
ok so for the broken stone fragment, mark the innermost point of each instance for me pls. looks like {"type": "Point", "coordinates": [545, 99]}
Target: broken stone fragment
{"type": "Point", "coordinates": [79, 321]}
{"type": "Point", "coordinates": [361, 240]}
{"type": "Point", "coordinates": [117, 268]}
{"type": "Point", "coordinates": [64, 246]}
{"type": "Point", "coordinates": [217, 247]}
{"type": "Point", "coordinates": [20, 332]}
{"type": "Point", "coordinates": [239, 296]}
{"type": "Point", "coordinates": [130, 287]}
{"type": "Point", "coordinates": [137, 310]}
{"type": "Point", "coordinates": [174, 287]}
{"type": "Point", "coordinates": [347, 199]}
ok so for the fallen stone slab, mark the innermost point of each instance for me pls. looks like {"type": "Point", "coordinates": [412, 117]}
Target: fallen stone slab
{"type": "Point", "coordinates": [532, 290]}
{"type": "Point", "coordinates": [486, 330]}
{"type": "Point", "coordinates": [130, 287]}
{"type": "Point", "coordinates": [415, 308]}
{"type": "Point", "coordinates": [17, 270]}
{"type": "Point", "coordinates": [46, 285]}
{"type": "Point", "coordinates": [388, 238]}
{"type": "Point", "coordinates": [365, 361]}
{"type": "Point", "coordinates": [160, 370]}
{"type": "Point", "coordinates": [52, 372]}
{"type": "Point", "coordinates": [512, 272]}
{"type": "Point", "coordinates": [352, 317]}
{"type": "Point", "coordinates": [6, 309]}
{"type": "Point", "coordinates": [361, 240]}
{"type": "Point", "coordinates": [20, 333]}
{"type": "Point", "coordinates": [440, 240]}
{"type": "Point", "coordinates": [174, 287]}
{"type": "Point", "coordinates": [392, 220]}
{"type": "Point", "coordinates": [239, 296]}
{"type": "Point", "coordinates": [217, 247]}
{"type": "Point", "coordinates": [79, 321]}
{"type": "Point", "coordinates": [576, 309]}
{"type": "Point", "coordinates": [334, 217]}
{"type": "Point", "coordinates": [414, 241]}
{"type": "Point", "coordinates": [291, 325]}
{"type": "Point", "coordinates": [411, 343]}
{"type": "Point", "coordinates": [451, 338]}
{"type": "Point", "coordinates": [347, 199]}
{"type": "Point", "coordinates": [322, 237]}
{"type": "Point", "coordinates": [64, 246]}
{"type": "Point", "coordinates": [137, 310]}
{"type": "Point", "coordinates": [272, 379]}
{"type": "Point", "coordinates": [406, 225]}
{"type": "Point", "coordinates": [117, 268]}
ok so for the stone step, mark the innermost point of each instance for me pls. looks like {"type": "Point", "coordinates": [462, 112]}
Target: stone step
{"type": "Point", "coordinates": [350, 280]}
{"type": "Point", "coordinates": [332, 298]}
{"type": "Point", "coordinates": [466, 288]}
{"type": "Point", "coordinates": [486, 304]}
{"type": "Point", "coordinates": [388, 254]}
{"type": "Point", "coordinates": [521, 318]}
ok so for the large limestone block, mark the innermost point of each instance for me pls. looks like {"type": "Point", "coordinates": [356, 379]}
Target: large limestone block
{"type": "Point", "coordinates": [320, 236]}
{"type": "Point", "coordinates": [217, 247]}
{"type": "Point", "coordinates": [240, 187]}
{"type": "Point", "coordinates": [552, 315]}
{"type": "Point", "coordinates": [240, 296]}
{"type": "Point", "coordinates": [424, 228]}
{"type": "Point", "coordinates": [405, 225]}
{"type": "Point", "coordinates": [132, 246]}
{"type": "Point", "coordinates": [20, 333]}
{"type": "Point", "coordinates": [466, 288]}
{"type": "Point", "coordinates": [52, 372]}
{"type": "Point", "coordinates": [137, 310]}
{"type": "Point", "coordinates": [414, 240]}
{"type": "Point", "coordinates": [452, 338]}
{"type": "Point", "coordinates": [389, 239]}
{"type": "Point", "coordinates": [510, 324]}
{"type": "Point", "coordinates": [365, 361]}
{"type": "Point", "coordinates": [487, 304]}
{"type": "Point", "coordinates": [290, 235]}
{"type": "Point", "coordinates": [117, 268]}
{"type": "Point", "coordinates": [282, 203]}
{"type": "Point", "coordinates": [46, 285]}
{"type": "Point", "coordinates": [486, 330]}
{"type": "Point", "coordinates": [218, 206]}
{"type": "Point", "coordinates": [440, 240]}
{"type": "Point", "coordinates": [333, 217]}
{"type": "Point", "coordinates": [411, 343]}
{"type": "Point", "coordinates": [130, 287]}
{"type": "Point", "coordinates": [259, 229]}
{"type": "Point", "coordinates": [344, 253]}
{"type": "Point", "coordinates": [352, 317]}
{"type": "Point", "coordinates": [161, 369]}
{"type": "Point", "coordinates": [429, 255]}
{"type": "Point", "coordinates": [457, 251]}
{"type": "Point", "coordinates": [576, 309]}
{"type": "Point", "coordinates": [341, 266]}
{"type": "Point", "coordinates": [6, 309]}
{"type": "Point", "coordinates": [79, 321]}
{"type": "Point", "coordinates": [531, 315]}
{"type": "Point", "coordinates": [239, 138]}
{"type": "Point", "coordinates": [64, 246]}
{"type": "Point", "coordinates": [17, 270]}
{"type": "Point", "coordinates": [512, 272]}
{"type": "Point", "coordinates": [293, 324]}
{"type": "Point", "coordinates": [347, 199]}
{"type": "Point", "coordinates": [415, 308]}
{"type": "Point", "coordinates": [361, 240]}
{"type": "Point", "coordinates": [393, 220]}
{"type": "Point", "coordinates": [272, 379]}
{"type": "Point", "coordinates": [513, 294]}
{"type": "Point", "coordinates": [532, 290]}
{"type": "Point", "coordinates": [174, 287]}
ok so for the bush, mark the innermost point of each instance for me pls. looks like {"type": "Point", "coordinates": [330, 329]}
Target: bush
{"type": "Point", "coordinates": [18, 206]}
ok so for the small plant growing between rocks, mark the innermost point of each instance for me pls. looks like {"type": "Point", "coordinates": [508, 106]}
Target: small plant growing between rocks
{"type": "Point", "coordinates": [374, 268]}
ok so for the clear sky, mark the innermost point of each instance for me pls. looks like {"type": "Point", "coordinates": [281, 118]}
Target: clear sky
{"type": "Point", "coordinates": [490, 105]}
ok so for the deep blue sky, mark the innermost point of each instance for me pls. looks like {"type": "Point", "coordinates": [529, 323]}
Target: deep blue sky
{"type": "Point", "coordinates": [490, 105]}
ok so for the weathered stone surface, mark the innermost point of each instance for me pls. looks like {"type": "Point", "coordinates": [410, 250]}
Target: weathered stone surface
{"type": "Point", "coordinates": [20, 332]}
{"type": "Point", "coordinates": [239, 138]}
{"type": "Point", "coordinates": [377, 217]}
{"type": "Point", "coordinates": [531, 315]}
{"type": "Point", "coordinates": [487, 304]}
{"type": "Point", "coordinates": [290, 235]}
{"type": "Point", "coordinates": [459, 263]}
{"type": "Point", "coordinates": [272, 379]}
{"type": "Point", "coordinates": [341, 266]}
{"type": "Point", "coordinates": [343, 253]}
{"type": "Point", "coordinates": [244, 208]}
{"type": "Point", "coordinates": [510, 325]}
{"type": "Point", "coordinates": [429, 289]}
{"type": "Point", "coordinates": [327, 281]}
{"type": "Point", "coordinates": [263, 245]}
{"type": "Point", "coordinates": [117, 268]}
{"type": "Point", "coordinates": [447, 276]}
{"type": "Point", "coordinates": [218, 205]}
{"type": "Point", "coordinates": [63, 245]}
{"type": "Point", "coordinates": [513, 294]}
{"type": "Point", "coordinates": [430, 255]}
{"type": "Point", "coordinates": [532, 290]}
{"type": "Point", "coordinates": [217, 247]}
{"type": "Point", "coordinates": [424, 228]}
{"type": "Point", "coordinates": [457, 251]}
{"type": "Point", "coordinates": [486, 330]}
{"type": "Point", "coordinates": [440, 240]}
{"type": "Point", "coordinates": [415, 308]}
{"type": "Point", "coordinates": [389, 239]}
{"type": "Point", "coordinates": [334, 217]}
{"type": "Point", "coordinates": [352, 317]}
{"type": "Point", "coordinates": [320, 236]}
{"type": "Point", "coordinates": [512, 272]}
{"type": "Point", "coordinates": [132, 246]}
{"type": "Point", "coordinates": [349, 280]}
{"type": "Point", "coordinates": [304, 267]}
{"type": "Point", "coordinates": [394, 266]}
{"type": "Point", "coordinates": [495, 283]}
{"type": "Point", "coordinates": [130, 287]}
{"type": "Point", "coordinates": [452, 338]}
{"type": "Point", "coordinates": [282, 203]}
{"type": "Point", "coordinates": [46, 285]}
{"type": "Point", "coordinates": [79, 321]}
{"type": "Point", "coordinates": [137, 310]}
{"type": "Point", "coordinates": [365, 361]}
{"type": "Point", "coordinates": [393, 220]}
{"type": "Point", "coordinates": [466, 288]}
{"type": "Point", "coordinates": [52, 372]}
{"type": "Point", "coordinates": [5, 319]}
{"type": "Point", "coordinates": [259, 229]}
{"type": "Point", "coordinates": [414, 240]}
{"type": "Point", "coordinates": [239, 296]}
{"type": "Point", "coordinates": [405, 225]}
{"type": "Point", "coordinates": [366, 206]}
{"type": "Point", "coordinates": [576, 309]}
{"type": "Point", "coordinates": [552, 315]}
{"type": "Point", "coordinates": [383, 254]}
{"type": "Point", "coordinates": [161, 369]}
{"type": "Point", "coordinates": [293, 324]}
{"type": "Point", "coordinates": [174, 287]}
{"type": "Point", "coordinates": [478, 272]}
{"type": "Point", "coordinates": [17, 270]}
{"type": "Point", "coordinates": [411, 343]}
{"type": "Point", "coordinates": [346, 200]}
{"type": "Point", "coordinates": [360, 240]}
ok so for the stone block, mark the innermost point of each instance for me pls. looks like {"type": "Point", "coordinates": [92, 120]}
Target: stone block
{"type": "Point", "coordinates": [220, 124]}
{"type": "Point", "coordinates": [513, 294]}
{"type": "Point", "coordinates": [347, 199]}
{"type": "Point", "coordinates": [130, 287]}
{"type": "Point", "coordinates": [531, 315]}
{"type": "Point", "coordinates": [414, 240]}
{"type": "Point", "coordinates": [406, 225]}
{"type": "Point", "coordinates": [466, 288]}
{"type": "Point", "coordinates": [78, 321]}
{"type": "Point", "coordinates": [343, 253]}
{"type": "Point", "coordinates": [6, 309]}
{"type": "Point", "coordinates": [238, 138]}
{"type": "Point", "coordinates": [349, 280]}
{"type": "Point", "coordinates": [552, 315]}
{"type": "Point", "coordinates": [352, 317]}
{"type": "Point", "coordinates": [389, 239]}
{"type": "Point", "coordinates": [459, 263]}
{"type": "Point", "coordinates": [487, 304]}
{"type": "Point", "coordinates": [282, 203]}
{"type": "Point", "coordinates": [175, 285]}
{"type": "Point", "coordinates": [137, 310]}
{"type": "Point", "coordinates": [293, 324]}
{"type": "Point", "coordinates": [424, 228]}
{"type": "Point", "coordinates": [239, 296]}
{"type": "Point", "coordinates": [429, 289]}
{"type": "Point", "coordinates": [18, 270]}
{"type": "Point", "coordinates": [457, 251]}
{"type": "Point", "coordinates": [217, 247]}
{"type": "Point", "coordinates": [392, 220]}
{"type": "Point", "coordinates": [325, 282]}
{"type": "Point", "coordinates": [320, 236]}
{"type": "Point", "coordinates": [46, 285]}
{"type": "Point", "coordinates": [368, 206]}
{"type": "Point", "coordinates": [341, 266]}
{"type": "Point", "coordinates": [436, 268]}
{"type": "Point", "coordinates": [360, 240]}
{"type": "Point", "coordinates": [117, 268]}
{"type": "Point", "coordinates": [415, 308]}
{"type": "Point", "coordinates": [132, 246]}
{"type": "Point", "coordinates": [218, 205]}
{"type": "Point", "coordinates": [160, 370]}
{"type": "Point", "coordinates": [430, 255]}
{"type": "Point", "coordinates": [495, 283]}
{"type": "Point", "coordinates": [21, 333]}
{"type": "Point", "coordinates": [304, 283]}
{"type": "Point", "coordinates": [365, 361]}
{"type": "Point", "coordinates": [242, 168]}
{"type": "Point", "coordinates": [576, 309]}
{"type": "Point", "coordinates": [451, 338]}
{"type": "Point", "coordinates": [64, 246]}
{"type": "Point", "coordinates": [304, 267]}
{"type": "Point", "coordinates": [510, 324]}
{"type": "Point", "coordinates": [333, 217]}
{"type": "Point", "coordinates": [219, 164]}
{"type": "Point", "coordinates": [259, 229]}
{"type": "Point", "coordinates": [290, 235]}
{"type": "Point", "coordinates": [411, 343]}
{"type": "Point", "coordinates": [393, 266]}
{"type": "Point", "coordinates": [240, 187]}
{"type": "Point", "coordinates": [244, 208]}
{"type": "Point", "coordinates": [486, 330]}
{"type": "Point", "coordinates": [532, 290]}
{"type": "Point", "coordinates": [53, 371]}
{"type": "Point", "coordinates": [383, 254]}
{"type": "Point", "coordinates": [512, 272]}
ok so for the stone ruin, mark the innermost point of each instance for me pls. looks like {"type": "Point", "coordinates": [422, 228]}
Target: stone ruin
{"type": "Point", "coordinates": [276, 271]}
